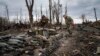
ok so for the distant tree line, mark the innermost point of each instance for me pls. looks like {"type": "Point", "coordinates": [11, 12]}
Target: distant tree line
{"type": "Point", "coordinates": [5, 24]}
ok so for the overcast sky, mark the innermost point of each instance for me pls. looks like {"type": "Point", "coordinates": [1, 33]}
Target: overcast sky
{"type": "Point", "coordinates": [75, 7]}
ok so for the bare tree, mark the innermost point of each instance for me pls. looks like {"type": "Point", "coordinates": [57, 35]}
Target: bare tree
{"type": "Point", "coordinates": [66, 10]}
{"type": "Point", "coordinates": [29, 4]}
{"type": "Point", "coordinates": [50, 10]}
{"type": "Point", "coordinates": [17, 18]}
{"type": "Point", "coordinates": [83, 17]}
{"type": "Point", "coordinates": [95, 14]}
{"type": "Point", "coordinates": [41, 11]}
{"type": "Point", "coordinates": [53, 13]}
{"type": "Point", "coordinates": [21, 14]}
{"type": "Point", "coordinates": [58, 11]}
{"type": "Point", "coordinates": [7, 11]}
{"type": "Point", "coordinates": [36, 14]}
{"type": "Point", "coordinates": [57, 7]}
{"type": "Point", "coordinates": [46, 12]}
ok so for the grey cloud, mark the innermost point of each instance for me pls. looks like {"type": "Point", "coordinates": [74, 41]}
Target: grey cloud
{"type": "Point", "coordinates": [75, 7]}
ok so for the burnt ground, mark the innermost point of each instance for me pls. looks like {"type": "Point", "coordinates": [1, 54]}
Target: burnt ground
{"type": "Point", "coordinates": [84, 41]}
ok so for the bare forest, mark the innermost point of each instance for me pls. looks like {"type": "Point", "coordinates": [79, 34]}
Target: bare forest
{"type": "Point", "coordinates": [48, 29]}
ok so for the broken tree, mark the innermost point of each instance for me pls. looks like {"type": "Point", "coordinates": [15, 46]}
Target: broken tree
{"type": "Point", "coordinates": [29, 4]}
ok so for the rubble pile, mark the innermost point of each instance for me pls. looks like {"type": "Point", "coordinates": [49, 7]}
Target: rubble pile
{"type": "Point", "coordinates": [96, 24]}
{"type": "Point", "coordinates": [54, 45]}
{"type": "Point", "coordinates": [85, 41]}
{"type": "Point", "coordinates": [16, 46]}
{"type": "Point", "coordinates": [10, 45]}
{"type": "Point", "coordinates": [26, 44]}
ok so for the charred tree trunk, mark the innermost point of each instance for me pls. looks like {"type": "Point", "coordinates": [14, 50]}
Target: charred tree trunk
{"type": "Point", "coordinates": [95, 14]}
{"type": "Point", "coordinates": [58, 13]}
{"type": "Point", "coordinates": [29, 4]}
{"type": "Point", "coordinates": [7, 11]}
{"type": "Point", "coordinates": [57, 18]}
{"type": "Point", "coordinates": [41, 11]}
{"type": "Point", "coordinates": [83, 18]}
{"type": "Point", "coordinates": [31, 19]}
{"type": "Point", "coordinates": [50, 10]}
